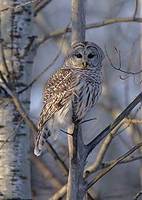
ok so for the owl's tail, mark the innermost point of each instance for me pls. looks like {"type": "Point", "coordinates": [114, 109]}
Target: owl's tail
{"type": "Point", "coordinates": [41, 141]}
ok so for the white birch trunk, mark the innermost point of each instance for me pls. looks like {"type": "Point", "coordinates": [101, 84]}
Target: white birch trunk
{"type": "Point", "coordinates": [16, 29]}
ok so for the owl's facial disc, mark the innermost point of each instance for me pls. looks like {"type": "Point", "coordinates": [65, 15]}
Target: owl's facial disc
{"type": "Point", "coordinates": [80, 60]}
{"type": "Point", "coordinates": [84, 56]}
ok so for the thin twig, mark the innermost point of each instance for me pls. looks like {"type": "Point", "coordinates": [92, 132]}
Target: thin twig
{"type": "Point", "coordinates": [40, 74]}
{"type": "Point", "coordinates": [136, 9]}
{"type": "Point", "coordinates": [18, 6]}
{"type": "Point", "coordinates": [87, 120]}
{"type": "Point", "coordinates": [119, 68]}
{"type": "Point", "coordinates": [46, 172]}
{"type": "Point", "coordinates": [40, 6]}
{"type": "Point", "coordinates": [109, 128]}
{"type": "Point", "coordinates": [125, 161]}
{"type": "Point", "coordinates": [3, 58]}
{"type": "Point", "coordinates": [60, 193]}
{"type": "Point", "coordinates": [138, 195]}
{"type": "Point", "coordinates": [105, 171]}
{"type": "Point", "coordinates": [103, 149]}
{"type": "Point", "coordinates": [46, 68]}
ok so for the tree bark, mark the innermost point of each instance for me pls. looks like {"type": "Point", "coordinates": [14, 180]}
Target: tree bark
{"type": "Point", "coordinates": [78, 21]}
{"type": "Point", "coordinates": [15, 66]}
{"type": "Point", "coordinates": [77, 152]}
{"type": "Point", "coordinates": [77, 159]}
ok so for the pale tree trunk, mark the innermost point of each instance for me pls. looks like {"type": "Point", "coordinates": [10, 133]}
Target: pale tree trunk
{"type": "Point", "coordinates": [15, 66]}
{"type": "Point", "coordinates": [77, 152]}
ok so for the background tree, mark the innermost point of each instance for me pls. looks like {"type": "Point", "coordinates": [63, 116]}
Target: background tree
{"type": "Point", "coordinates": [15, 68]}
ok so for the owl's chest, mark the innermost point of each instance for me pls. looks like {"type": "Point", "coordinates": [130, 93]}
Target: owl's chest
{"type": "Point", "coordinates": [85, 96]}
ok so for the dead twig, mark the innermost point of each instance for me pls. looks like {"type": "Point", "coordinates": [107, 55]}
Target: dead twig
{"type": "Point", "coordinates": [120, 68]}
{"type": "Point", "coordinates": [105, 171]}
{"type": "Point", "coordinates": [109, 128]}
{"type": "Point", "coordinates": [40, 6]}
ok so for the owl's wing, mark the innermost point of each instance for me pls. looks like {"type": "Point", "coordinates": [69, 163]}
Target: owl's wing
{"type": "Point", "coordinates": [57, 93]}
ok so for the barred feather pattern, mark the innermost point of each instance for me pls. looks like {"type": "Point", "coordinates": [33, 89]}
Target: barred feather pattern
{"type": "Point", "coordinates": [71, 92]}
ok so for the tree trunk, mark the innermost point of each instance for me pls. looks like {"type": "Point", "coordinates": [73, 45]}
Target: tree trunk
{"type": "Point", "coordinates": [77, 152]}
{"type": "Point", "coordinates": [15, 65]}
{"type": "Point", "coordinates": [76, 188]}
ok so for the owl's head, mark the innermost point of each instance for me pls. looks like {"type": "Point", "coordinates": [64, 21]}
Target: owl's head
{"type": "Point", "coordinates": [84, 55]}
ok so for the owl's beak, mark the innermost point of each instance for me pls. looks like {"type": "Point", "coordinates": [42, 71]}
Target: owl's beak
{"type": "Point", "coordinates": [84, 64]}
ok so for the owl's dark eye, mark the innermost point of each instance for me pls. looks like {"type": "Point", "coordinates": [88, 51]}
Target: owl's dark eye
{"type": "Point", "coordinates": [91, 55]}
{"type": "Point", "coordinates": [78, 55]}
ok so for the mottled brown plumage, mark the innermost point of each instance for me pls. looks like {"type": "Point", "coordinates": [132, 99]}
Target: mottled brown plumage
{"type": "Point", "coordinates": [56, 93]}
{"type": "Point", "coordinates": [71, 91]}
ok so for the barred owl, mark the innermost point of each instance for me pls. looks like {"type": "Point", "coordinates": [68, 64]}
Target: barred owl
{"type": "Point", "coordinates": [71, 92]}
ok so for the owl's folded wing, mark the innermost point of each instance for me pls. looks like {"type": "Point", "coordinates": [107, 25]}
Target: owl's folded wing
{"type": "Point", "coordinates": [57, 92]}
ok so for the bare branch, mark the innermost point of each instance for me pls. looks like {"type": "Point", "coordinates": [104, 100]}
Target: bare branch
{"type": "Point", "coordinates": [45, 69]}
{"type": "Point", "coordinates": [136, 9]}
{"type": "Point", "coordinates": [44, 170]}
{"type": "Point", "coordinates": [119, 68]}
{"type": "Point", "coordinates": [40, 74]}
{"type": "Point", "coordinates": [59, 194]}
{"type": "Point", "coordinates": [125, 161]}
{"type": "Point", "coordinates": [109, 128]}
{"type": "Point", "coordinates": [18, 6]}
{"type": "Point", "coordinates": [40, 6]}
{"type": "Point", "coordinates": [103, 149]}
{"type": "Point", "coordinates": [93, 25]}
{"type": "Point", "coordinates": [96, 165]}
{"type": "Point", "coordinates": [138, 195]}
{"type": "Point", "coordinates": [105, 171]}
{"type": "Point", "coordinates": [3, 58]}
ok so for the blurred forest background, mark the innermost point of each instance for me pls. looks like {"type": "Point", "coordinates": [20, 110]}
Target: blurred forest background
{"type": "Point", "coordinates": [121, 42]}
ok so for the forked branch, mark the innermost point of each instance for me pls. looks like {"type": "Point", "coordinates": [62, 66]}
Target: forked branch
{"type": "Point", "coordinates": [109, 128]}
